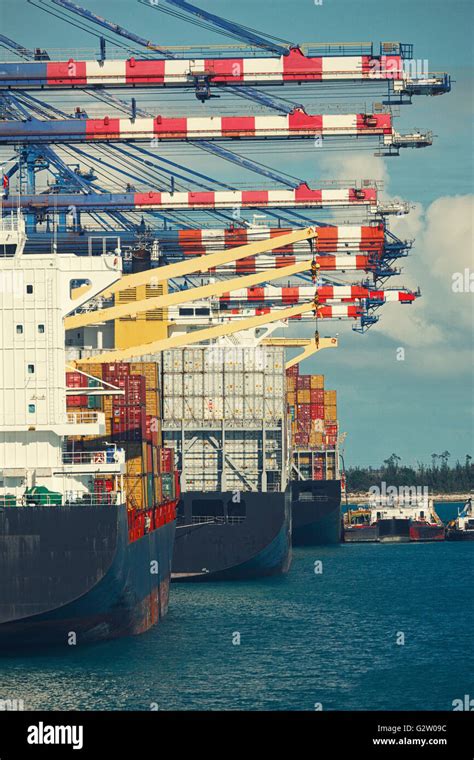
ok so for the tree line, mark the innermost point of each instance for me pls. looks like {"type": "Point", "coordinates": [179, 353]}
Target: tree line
{"type": "Point", "coordinates": [440, 476]}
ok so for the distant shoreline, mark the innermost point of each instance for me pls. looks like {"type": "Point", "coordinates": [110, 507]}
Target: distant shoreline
{"type": "Point", "coordinates": [363, 498]}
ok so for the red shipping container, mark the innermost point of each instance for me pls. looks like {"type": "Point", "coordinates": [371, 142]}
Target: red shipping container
{"type": "Point", "coordinates": [167, 458]}
{"type": "Point", "coordinates": [318, 475]}
{"type": "Point", "coordinates": [76, 401]}
{"type": "Point", "coordinates": [306, 382]}
{"type": "Point", "coordinates": [293, 371]}
{"type": "Point", "coordinates": [76, 380]}
{"type": "Point", "coordinates": [303, 411]}
{"type": "Point", "coordinates": [317, 396]}
{"type": "Point", "coordinates": [111, 373]}
{"type": "Point", "coordinates": [135, 390]}
{"type": "Point", "coordinates": [317, 411]}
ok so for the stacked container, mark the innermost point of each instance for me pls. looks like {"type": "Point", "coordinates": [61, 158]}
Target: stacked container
{"type": "Point", "coordinates": [133, 421]}
{"type": "Point", "coordinates": [312, 413]}
{"type": "Point", "coordinates": [224, 413]}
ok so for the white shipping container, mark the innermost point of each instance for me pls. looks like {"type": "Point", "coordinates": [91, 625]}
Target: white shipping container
{"type": "Point", "coordinates": [253, 407]}
{"type": "Point", "coordinates": [274, 359]}
{"type": "Point", "coordinates": [193, 360]}
{"type": "Point", "coordinates": [172, 385]}
{"type": "Point", "coordinates": [173, 408]}
{"type": "Point", "coordinates": [213, 408]}
{"type": "Point", "coordinates": [193, 384]}
{"type": "Point", "coordinates": [230, 387]}
{"type": "Point", "coordinates": [192, 408]}
{"type": "Point", "coordinates": [253, 383]}
{"type": "Point", "coordinates": [274, 385]}
{"type": "Point", "coordinates": [274, 407]}
{"type": "Point", "coordinates": [173, 360]}
{"type": "Point", "coordinates": [213, 384]}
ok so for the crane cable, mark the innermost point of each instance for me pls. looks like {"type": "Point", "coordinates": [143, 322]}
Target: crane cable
{"type": "Point", "coordinates": [315, 266]}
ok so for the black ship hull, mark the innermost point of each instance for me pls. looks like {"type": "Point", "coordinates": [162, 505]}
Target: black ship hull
{"type": "Point", "coordinates": [316, 512]}
{"type": "Point", "coordinates": [360, 534]}
{"type": "Point", "coordinates": [217, 539]}
{"type": "Point", "coordinates": [452, 534]}
{"type": "Point", "coordinates": [394, 530]}
{"type": "Point", "coordinates": [71, 576]}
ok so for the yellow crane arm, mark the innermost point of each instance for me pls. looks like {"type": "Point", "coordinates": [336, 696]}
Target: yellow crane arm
{"type": "Point", "coordinates": [183, 296]}
{"type": "Point", "coordinates": [210, 260]}
{"type": "Point", "coordinates": [286, 342]}
{"type": "Point", "coordinates": [197, 336]}
{"type": "Point", "coordinates": [311, 349]}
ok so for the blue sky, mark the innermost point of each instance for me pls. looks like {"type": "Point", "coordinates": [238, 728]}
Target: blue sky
{"type": "Point", "coordinates": [424, 403]}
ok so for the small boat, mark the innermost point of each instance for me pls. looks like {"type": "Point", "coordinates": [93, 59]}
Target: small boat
{"type": "Point", "coordinates": [394, 520]}
{"type": "Point", "coordinates": [462, 527]}
{"type": "Point", "coordinates": [357, 526]}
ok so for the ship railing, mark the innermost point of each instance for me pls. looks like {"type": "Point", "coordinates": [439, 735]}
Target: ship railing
{"type": "Point", "coordinates": [272, 487]}
{"type": "Point", "coordinates": [79, 418]}
{"type": "Point", "coordinates": [93, 457]}
{"type": "Point", "coordinates": [217, 520]}
{"type": "Point", "coordinates": [308, 496]}
{"type": "Point", "coordinates": [9, 224]}
{"type": "Point", "coordinates": [88, 499]}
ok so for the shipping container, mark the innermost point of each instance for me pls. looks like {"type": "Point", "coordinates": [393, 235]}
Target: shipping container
{"type": "Point", "coordinates": [330, 398]}
{"type": "Point", "coordinates": [330, 413]}
{"type": "Point", "coordinates": [303, 396]}
{"type": "Point", "coordinates": [76, 401]}
{"type": "Point", "coordinates": [316, 381]}
{"type": "Point", "coordinates": [317, 396]}
{"type": "Point", "coordinates": [317, 411]}
{"type": "Point", "coordinates": [76, 380]}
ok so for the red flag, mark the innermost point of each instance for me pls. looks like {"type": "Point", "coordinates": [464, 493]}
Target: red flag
{"type": "Point", "coordinates": [6, 182]}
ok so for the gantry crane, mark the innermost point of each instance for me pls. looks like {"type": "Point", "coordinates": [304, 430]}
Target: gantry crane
{"type": "Point", "coordinates": [351, 308]}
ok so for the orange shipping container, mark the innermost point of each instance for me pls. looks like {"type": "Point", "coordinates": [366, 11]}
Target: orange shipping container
{"type": "Point", "coordinates": [330, 413]}
{"type": "Point", "coordinates": [291, 399]}
{"type": "Point", "coordinates": [151, 403]}
{"type": "Point", "coordinates": [330, 398]}
{"type": "Point", "coordinates": [317, 381]}
{"type": "Point", "coordinates": [303, 397]}
{"type": "Point", "coordinates": [291, 383]}
{"type": "Point", "coordinates": [135, 491]}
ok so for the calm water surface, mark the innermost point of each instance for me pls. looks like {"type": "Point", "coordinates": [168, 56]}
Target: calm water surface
{"type": "Point", "coordinates": [305, 638]}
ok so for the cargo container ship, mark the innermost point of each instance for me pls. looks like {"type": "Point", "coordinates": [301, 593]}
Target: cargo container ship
{"type": "Point", "coordinates": [85, 551]}
{"type": "Point", "coordinates": [224, 417]}
{"type": "Point", "coordinates": [393, 520]}
{"type": "Point", "coordinates": [316, 480]}
{"type": "Point", "coordinates": [462, 527]}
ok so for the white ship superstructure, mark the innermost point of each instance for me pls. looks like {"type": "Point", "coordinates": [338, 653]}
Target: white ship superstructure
{"type": "Point", "coordinates": [36, 293]}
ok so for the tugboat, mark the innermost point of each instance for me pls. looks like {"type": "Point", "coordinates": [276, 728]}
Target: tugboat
{"type": "Point", "coordinates": [357, 527]}
{"type": "Point", "coordinates": [462, 528]}
{"type": "Point", "coordinates": [426, 524]}
{"type": "Point", "coordinates": [394, 520]}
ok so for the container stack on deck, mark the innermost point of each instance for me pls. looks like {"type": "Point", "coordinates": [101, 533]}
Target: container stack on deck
{"type": "Point", "coordinates": [314, 426]}
{"type": "Point", "coordinates": [133, 423]}
{"type": "Point", "coordinates": [224, 415]}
